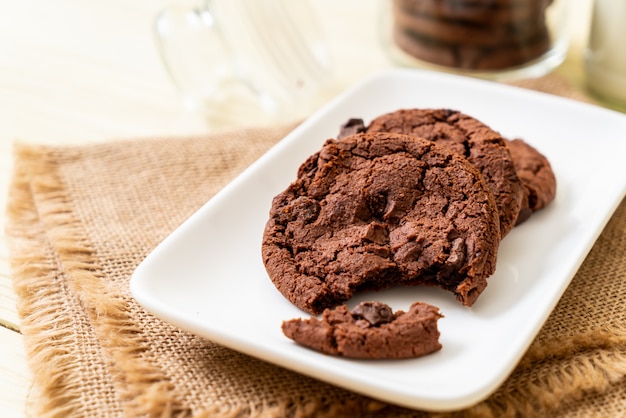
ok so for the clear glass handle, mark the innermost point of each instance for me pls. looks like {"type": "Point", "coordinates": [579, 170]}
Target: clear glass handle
{"type": "Point", "coordinates": [192, 51]}
{"type": "Point", "coordinates": [268, 51]}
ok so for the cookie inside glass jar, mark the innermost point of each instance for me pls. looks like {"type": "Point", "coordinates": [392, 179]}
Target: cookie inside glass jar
{"type": "Point", "coordinates": [477, 35]}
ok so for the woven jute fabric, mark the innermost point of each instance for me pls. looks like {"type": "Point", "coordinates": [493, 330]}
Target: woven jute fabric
{"type": "Point", "coordinates": [82, 218]}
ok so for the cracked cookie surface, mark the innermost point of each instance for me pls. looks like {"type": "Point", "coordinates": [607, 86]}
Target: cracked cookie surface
{"type": "Point", "coordinates": [374, 210]}
{"type": "Point", "coordinates": [483, 147]}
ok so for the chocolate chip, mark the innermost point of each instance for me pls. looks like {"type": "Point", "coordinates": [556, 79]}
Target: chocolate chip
{"type": "Point", "coordinates": [305, 209]}
{"type": "Point", "coordinates": [457, 253]}
{"type": "Point", "coordinates": [376, 313]}
{"type": "Point", "coordinates": [351, 127]}
{"type": "Point", "coordinates": [376, 233]}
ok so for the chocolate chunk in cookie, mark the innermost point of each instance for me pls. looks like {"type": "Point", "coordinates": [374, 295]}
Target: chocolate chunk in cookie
{"type": "Point", "coordinates": [351, 127]}
{"type": "Point", "coordinates": [535, 172]}
{"type": "Point", "coordinates": [371, 331]}
{"type": "Point", "coordinates": [470, 138]}
{"type": "Point", "coordinates": [375, 210]}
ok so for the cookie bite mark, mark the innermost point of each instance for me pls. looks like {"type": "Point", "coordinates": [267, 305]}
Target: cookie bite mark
{"type": "Point", "coordinates": [377, 210]}
{"type": "Point", "coordinates": [370, 331]}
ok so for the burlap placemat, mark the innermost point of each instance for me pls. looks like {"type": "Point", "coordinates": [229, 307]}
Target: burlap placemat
{"type": "Point", "coordinates": [81, 219]}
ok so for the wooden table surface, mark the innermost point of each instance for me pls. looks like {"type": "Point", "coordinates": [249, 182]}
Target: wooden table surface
{"type": "Point", "coordinates": [79, 72]}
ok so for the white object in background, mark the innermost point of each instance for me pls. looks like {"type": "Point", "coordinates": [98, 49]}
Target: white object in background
{"type": "Point", "coordinates": [605, 58]}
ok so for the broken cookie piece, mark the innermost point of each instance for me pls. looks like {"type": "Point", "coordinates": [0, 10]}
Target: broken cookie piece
{"type": "Point", "coordinates": [370, 331]}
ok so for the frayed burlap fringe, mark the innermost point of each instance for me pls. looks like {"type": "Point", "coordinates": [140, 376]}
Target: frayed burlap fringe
{"type": "Point", "coordinates": [142, 389]}
{"type": "Point", "coordinates": [48, 332]}
{"type": "Point", "coordinates": [539, 392]}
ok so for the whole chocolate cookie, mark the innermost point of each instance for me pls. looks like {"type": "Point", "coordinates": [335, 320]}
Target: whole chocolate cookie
{"type": "Point", "coordinates": [371, 331]}
{"type": "Point", "coordinates": [535, 172]}
{"type": "Point", "coordinates": [379, 209]}
{"type": "Point", "coordinates": [470, 138]}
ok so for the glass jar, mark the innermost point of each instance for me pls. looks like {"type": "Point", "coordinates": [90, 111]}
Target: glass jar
{"type": "Point", "coordinates": [494, 39]}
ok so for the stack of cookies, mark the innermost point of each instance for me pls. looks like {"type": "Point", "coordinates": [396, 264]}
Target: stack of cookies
{"type": "Point", "coordinates": [417, 197]}
{"type": "Point", "coordinates": [472, 34]}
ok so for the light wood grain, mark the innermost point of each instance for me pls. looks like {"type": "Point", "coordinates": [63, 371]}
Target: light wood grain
{"type": "Point", "coordinates": [14, 375]}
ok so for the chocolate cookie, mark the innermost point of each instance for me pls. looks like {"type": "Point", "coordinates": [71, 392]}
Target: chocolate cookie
{"type": "Point", "coordinates": [379, 209]}
{"type": "Point", "coordinates": [475, 11]}
{"type": "Point", "coordinates": [535, 172]}
{"type": "Point", "coordinates": [471, 57]}
{"type": "Point", "coordinates": [470, 138]}
{"type": "Point", "coordinates": [370, 331]}
{"type": "Point", "coordinates": [458, 32]}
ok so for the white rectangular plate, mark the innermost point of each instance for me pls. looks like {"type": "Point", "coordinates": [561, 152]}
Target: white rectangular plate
{"type": "Point", "coordinates": [212, 264]}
